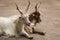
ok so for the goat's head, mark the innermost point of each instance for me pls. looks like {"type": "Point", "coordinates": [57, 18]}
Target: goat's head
{"type": "Point", "coordinates": [24, 16]}
{"type": "Point", "coordinates": [35, 17]}
{"type": "Point", "coordinates": [25, 19]}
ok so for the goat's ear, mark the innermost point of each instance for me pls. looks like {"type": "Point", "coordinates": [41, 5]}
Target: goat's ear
{"type": "Point", "coordinates": [18, 9]}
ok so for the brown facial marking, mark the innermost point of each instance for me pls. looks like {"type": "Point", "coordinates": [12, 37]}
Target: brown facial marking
{"type": "Point", "coordinates": [35, 16]}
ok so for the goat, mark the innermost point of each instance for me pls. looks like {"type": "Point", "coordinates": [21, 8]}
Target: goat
{"type": "Point", "coordinates": [35, 16]}
{"type": "Point", "coordinates": [34, 19]}
{"type": "Point", "coordinates": [14, 25]}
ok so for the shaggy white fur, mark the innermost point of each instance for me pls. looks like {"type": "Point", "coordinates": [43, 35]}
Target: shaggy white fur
{"type": "Point", "coordinates": [7, 26]}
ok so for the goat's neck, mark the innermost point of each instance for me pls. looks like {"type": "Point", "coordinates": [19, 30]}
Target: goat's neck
{"type": "Point", "coordinates": [20, 25]}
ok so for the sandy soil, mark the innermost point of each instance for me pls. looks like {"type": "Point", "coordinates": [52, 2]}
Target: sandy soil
{"type": "Point", "coordinates": [50, 16]}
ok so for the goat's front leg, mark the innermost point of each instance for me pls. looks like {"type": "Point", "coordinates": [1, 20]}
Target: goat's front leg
{"type": "Point", "coordinates": [26, 34]}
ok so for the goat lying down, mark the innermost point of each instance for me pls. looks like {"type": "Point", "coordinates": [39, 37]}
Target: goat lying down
{"type": "Point", "coordinates": [34, 19]}
{"type": "Point", "coordinates": [14, 25]}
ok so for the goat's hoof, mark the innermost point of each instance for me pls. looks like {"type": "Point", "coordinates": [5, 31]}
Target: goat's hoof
{"type": "Point", "coordinates": [30, 38]}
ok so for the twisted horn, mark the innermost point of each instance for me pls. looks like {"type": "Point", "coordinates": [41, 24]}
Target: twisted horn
{"type": "Point", "coordinates": [18, 9]}
{"type": "Point", "coordinates": [28, 6]}
{"type": "Point", "coordinates": [36, 7]}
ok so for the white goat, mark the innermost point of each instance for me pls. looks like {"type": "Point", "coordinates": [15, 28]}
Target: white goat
{"type": "Point", "coordinates": [10, 26]}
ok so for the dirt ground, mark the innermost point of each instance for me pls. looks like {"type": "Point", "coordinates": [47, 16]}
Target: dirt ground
{"type": "Point", "coordinates": [50, 16]}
